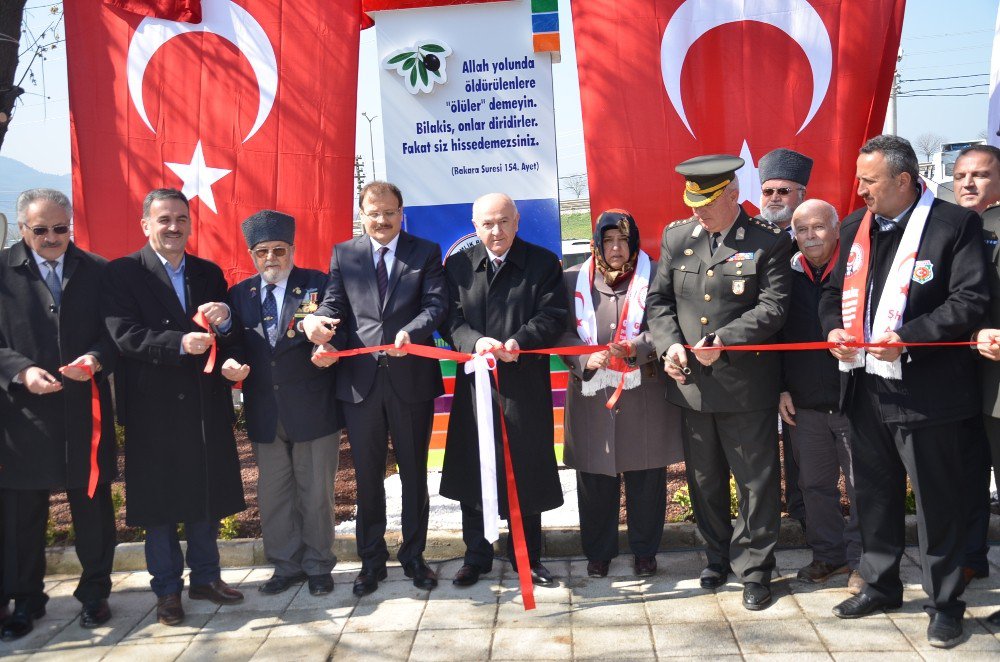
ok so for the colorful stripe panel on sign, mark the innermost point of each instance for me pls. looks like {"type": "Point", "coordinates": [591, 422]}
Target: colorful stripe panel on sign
{"type": "Point", "coordinates": [545, 26]}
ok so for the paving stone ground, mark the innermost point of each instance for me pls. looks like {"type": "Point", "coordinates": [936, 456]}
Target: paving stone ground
{"type": "Point", "coordinates": [617, 618]}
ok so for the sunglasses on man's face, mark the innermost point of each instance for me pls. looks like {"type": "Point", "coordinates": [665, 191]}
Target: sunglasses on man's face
{"type": "Point", "coordinates": [262, 253]}
{"type": "Point", "coordinates": [768, 192]}
{"type": "Point", "coordinates": [41, 230]}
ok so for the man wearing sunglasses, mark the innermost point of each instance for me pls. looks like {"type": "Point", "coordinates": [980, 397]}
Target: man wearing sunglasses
{"type": "Point", "coordinates": [386, 287]}
{"type": "Point", "coordinates": [784, 175]}
{"type": "Point", "coordinates": [293, 417]}
{"type": "Point", "coordinates": [52, 339]}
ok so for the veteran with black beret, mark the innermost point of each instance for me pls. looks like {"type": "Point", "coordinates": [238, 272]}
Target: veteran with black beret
{"type": "Point", "coordinates": [293, 417]}
{"type": "Point", "coordinates": [724, 279]}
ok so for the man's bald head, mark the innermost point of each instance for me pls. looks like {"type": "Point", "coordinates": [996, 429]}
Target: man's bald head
{"type": "Point", "coordinates": [495, 218]}
{"type": "Point", "coordinates": [815, 225]}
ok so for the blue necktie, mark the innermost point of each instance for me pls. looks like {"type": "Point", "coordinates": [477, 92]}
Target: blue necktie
{"type": "Point", "coordinates": [382, 275]}
{"type": "Point", "coordinates": [269, 314]}
{"type": "Point", "coordinates": [52, 280]}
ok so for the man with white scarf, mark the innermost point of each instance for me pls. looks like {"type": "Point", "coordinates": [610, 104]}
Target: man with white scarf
{"type": "Point", "coordinates": [913, 270]}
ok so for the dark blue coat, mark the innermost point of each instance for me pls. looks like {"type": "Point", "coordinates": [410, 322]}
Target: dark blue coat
{"type": "Point", "coordinates": [283, 384]}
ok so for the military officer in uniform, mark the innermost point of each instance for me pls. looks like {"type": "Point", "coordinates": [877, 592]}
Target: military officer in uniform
{"type": "Point", "coordinates": [724, 279]}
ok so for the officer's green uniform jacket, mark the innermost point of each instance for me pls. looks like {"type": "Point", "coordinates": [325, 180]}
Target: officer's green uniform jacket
{"type": "Point", "coordinates": [740, 293]}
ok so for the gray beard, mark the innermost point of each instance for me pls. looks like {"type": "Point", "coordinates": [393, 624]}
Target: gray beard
{"type": "Point", "coordinates": [781, 217]}
{"type": "Point", "coordinates": [272, 277]}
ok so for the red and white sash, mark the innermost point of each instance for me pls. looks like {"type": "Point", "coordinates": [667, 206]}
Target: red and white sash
{"type": "Point", "coordinates": [627, 329]}
{"type": "Point", "coordinates": [889, 315]}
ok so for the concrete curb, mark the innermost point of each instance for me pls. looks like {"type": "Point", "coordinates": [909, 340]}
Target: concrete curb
{"type": "Point", "coordinates": [565, 541]}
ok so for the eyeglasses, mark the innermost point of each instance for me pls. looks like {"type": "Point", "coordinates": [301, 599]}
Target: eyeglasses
{"type": "Point", "coordinates": [41, 230]}
{"type": "Point", "coordinates": [387, 215]}
{"type": "Point", "coordinates": [768, 192]}
{"type": "Point", "coordinates": [278, 251]}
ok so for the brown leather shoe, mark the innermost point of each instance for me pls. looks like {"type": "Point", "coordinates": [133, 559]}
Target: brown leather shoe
{"type": "Point", "coordinates": [818, 572]}
{"type": "Point", "coordinates": [644, 566]}
{"type": "Point", "coordinates": [169, 610]}
{"type": "Point", "coordinates": [218, 592]}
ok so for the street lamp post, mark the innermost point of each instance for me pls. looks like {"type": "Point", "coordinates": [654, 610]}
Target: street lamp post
{"type": "Point", "coordinates": [371, 140]}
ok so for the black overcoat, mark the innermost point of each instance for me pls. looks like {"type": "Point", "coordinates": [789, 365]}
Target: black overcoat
{"type": "Point", "coordinates": [46, 438]}
{"type": "Point", "coordinates": [180, 455]}
{"type": "Point", "coordinates": [526, 301]}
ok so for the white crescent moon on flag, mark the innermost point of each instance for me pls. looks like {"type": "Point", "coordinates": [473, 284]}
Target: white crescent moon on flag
{"type": "Point", "coordinates": [796, 18]}
{"type": "Point", "coordinates": [219, 17]}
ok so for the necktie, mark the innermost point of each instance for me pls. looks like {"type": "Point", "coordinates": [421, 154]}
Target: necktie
{"type": "Point", "coordinates": [497, 263]}
{"type": "Point", "coordinates": [269, 313]}
{"type": "Point", "coordinates": [52, 281]}
{"type": "Point", "coordinates": [885, 224]}
{"type": "Point", "coordinates": [716, 236]}
{"type": "Point", "coordinates": [382, 274]}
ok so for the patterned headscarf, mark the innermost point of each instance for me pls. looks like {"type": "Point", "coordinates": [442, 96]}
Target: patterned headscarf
{"type": "Point", "coordinates": [615, 219]}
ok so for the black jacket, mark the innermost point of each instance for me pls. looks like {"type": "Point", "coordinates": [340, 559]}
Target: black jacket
{"type": "Point", "coordinates": [812, 377]}
{"type": "Point", "coordinates": [46, 438]}
{"type": "Point", "coordinates": [283, 384]}
{"type": "Point", "coordinates": [939, 384]}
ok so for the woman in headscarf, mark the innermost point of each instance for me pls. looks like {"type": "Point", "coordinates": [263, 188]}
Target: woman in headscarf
{"type": "Point", "coordinates": [618, 422]}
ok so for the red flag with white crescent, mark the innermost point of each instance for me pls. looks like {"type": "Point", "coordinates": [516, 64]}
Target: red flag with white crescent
{"type": "Point", "coordinates": [662, 81]}
{"type": "Point", "coordinates": [251, 108]}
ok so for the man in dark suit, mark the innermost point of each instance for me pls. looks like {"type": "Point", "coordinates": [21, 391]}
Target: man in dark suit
{"type": "Point", "coordinates": [915, 272]}
{"type": "Point", "coordinates": [724, 279]}
{"type": "Point", "coordinates": [386, 287]}
{"type": "Point", "coordinates": [293, 418]}
{"type": "Point", "coordinates": [180, 454]}
{"type": "Point", "coordinates": [976, 178]}
{"type": "Point", "coordinates": [50, 322]}
{"type": "Point", "coordinates": [506, 295]}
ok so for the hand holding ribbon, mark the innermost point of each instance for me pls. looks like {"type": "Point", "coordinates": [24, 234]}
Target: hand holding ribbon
{"type": "Point", "coordinates": [199, 343]}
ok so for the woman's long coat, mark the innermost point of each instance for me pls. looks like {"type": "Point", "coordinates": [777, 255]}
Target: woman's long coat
{"type": "Point", "coordinates": [180, 455]}
{"type": "Point", "coordinates": [643, 430]}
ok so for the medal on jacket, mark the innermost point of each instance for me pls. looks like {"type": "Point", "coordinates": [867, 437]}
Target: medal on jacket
{"type": "Point", "coordinates": [739, 286]}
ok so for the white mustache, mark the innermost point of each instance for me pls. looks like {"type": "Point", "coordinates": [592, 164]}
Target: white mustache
{"type": "Point", "coordinates": [812, 244]}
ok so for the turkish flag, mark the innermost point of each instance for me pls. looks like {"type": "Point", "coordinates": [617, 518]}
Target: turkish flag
{"type": "Point", "coordinates": [662, 81]}
{"type": "Point", "coordinates": [188, 11]}
{"type": "Point", "coordinates": [251, 108]}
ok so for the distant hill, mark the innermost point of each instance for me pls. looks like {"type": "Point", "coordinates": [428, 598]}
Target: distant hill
{"type": "Point", "coordinates": [16, 177]}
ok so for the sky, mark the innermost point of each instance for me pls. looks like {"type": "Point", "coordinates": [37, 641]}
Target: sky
{"type": "Point", "coordinates": [946, 51]}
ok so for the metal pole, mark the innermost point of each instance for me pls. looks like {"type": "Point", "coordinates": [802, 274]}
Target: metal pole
{"type": "Point", "coordinates": [371, 140]}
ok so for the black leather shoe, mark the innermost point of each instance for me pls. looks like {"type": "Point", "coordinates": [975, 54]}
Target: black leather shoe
{"type": "Point", "coordinates": [368, 579]}
{"type": "Point", "coordinates": [540, 576]}
{"type": "Point", "coordinates": [279, 583]}
{"type": "Point", "coordinates": [598, 568]}
{"type": "Point", "coordinates": [20, 623]}
{"type": "Point", "coordinates": [713, 576]}
{"type": "Point", "coordinates": [644, 566]}
{"type": "Point", "coordinates": [863, 605]}
{"type": "Point", "coordinates": [756, 596]}
{"type": "Point", "coordinates": [468, 575]}
{"type": "Point", "coordinates": [95, 614]}
{"type": "Point", "coordinates": [320, 584]}
{"type": "Point", "coordinates": [944, 631]}
{"type": "Point", "coordinates": [421, 573]}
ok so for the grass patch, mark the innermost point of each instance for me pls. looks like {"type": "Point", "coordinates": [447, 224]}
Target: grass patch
{"type": "Point", "coordinates": [576, 225]}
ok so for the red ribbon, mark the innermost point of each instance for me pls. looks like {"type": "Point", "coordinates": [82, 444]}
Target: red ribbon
{"type": "Point", "coordinates": [202, 321]}
{"type": "Point", "coordinates": [823, 344]}
{"type": "Point", "coordinates": [95, 428]}
{"type": "Point", "coordinates": [516, 521]}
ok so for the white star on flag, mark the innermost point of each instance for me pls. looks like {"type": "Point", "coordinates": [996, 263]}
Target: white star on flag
{"type": "Point", "coordinates": [749, 177]}
{"type": "Point", "coordinates": [198, 177]}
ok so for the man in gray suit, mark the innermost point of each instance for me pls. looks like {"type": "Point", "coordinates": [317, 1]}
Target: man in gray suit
{"type": "Point", "coordinates": [293, 418]}
{"type": "Point", "coordinates": [724, 279]}
{"type": "Point", "coordinates": [386, 287]}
